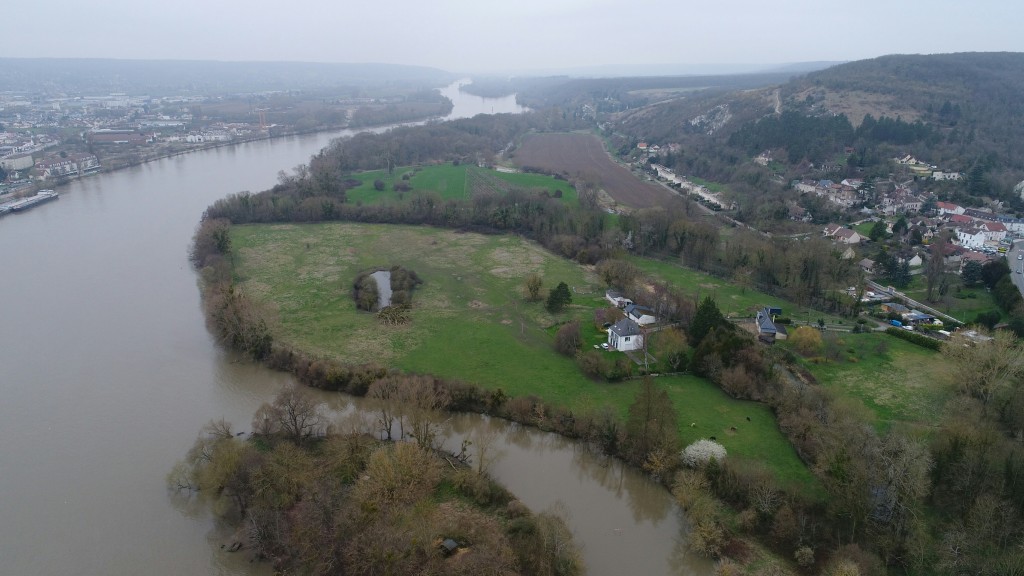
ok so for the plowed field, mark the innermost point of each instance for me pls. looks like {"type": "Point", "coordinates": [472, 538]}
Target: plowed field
{"type": "Point", "coordinates": [574, 155]}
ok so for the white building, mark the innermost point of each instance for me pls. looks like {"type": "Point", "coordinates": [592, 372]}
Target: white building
{"type": "Point", "coordinates": [971, 237]}
{"type": "Point", "coordinates": [625, 335]}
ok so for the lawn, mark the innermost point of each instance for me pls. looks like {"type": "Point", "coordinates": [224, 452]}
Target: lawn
{"type": "Point", "coordinates": [470, 322]}
{"type": "Point", "coordinates": [963, 304]}
{"type": "Point", "coordinates": [894, 380]}
{"type": "Point", "coordinates": [453, 182]}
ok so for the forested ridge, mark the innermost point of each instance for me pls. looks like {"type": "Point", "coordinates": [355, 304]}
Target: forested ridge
{"type": "Point", "coordinates": [961, 112]}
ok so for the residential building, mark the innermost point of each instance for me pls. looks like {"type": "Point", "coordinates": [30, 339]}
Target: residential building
{"type": "Point", "coordinates": [625, 335]}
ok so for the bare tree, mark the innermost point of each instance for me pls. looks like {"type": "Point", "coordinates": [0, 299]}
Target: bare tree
{"type": "Point", "coordinates": [293, 413]}
{"type": "Point", "coordinates": [422, 399]}
{"type": "Point", "coordinates": [984, 368]}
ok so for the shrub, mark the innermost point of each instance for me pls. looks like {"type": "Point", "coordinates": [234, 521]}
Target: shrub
{"type": "Point", "coordinates": [806, 340]}
{"type": "Point", "coordinates": [913, 338]}
{"type": "Point", "coordinates": [701, 452]}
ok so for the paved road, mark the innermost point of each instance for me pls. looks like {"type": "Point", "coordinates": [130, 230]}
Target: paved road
{"type": "Point", "coordinates": [1016, 264]}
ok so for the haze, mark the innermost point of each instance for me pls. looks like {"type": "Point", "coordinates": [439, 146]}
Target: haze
{"type": "Point", "coordinates": [571, 36]}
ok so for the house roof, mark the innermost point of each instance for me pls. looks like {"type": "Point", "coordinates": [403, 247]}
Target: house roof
{"type": "Point", "coordinates": [994, 227]}
{"type": "Point", "coordinates": [946, 206]}
{"type": "Point", "coordinates": [613, 294]}
{"type": "Point", "coordinates": [626, 327]}
{"type": "Point", "coordinates": [960, 219]}
{"type": "Point", "coordinates": [636, 311]}
{"type": "Point", "coordinates": [846, 234]}
{"type": "Point", "coordinates": [764, 323]}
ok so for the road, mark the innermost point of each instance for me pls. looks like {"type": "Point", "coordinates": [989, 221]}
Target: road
{"type": "Point", "coordinates": [1013, 258]}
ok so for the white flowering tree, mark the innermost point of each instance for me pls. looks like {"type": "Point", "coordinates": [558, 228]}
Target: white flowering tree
{"type": "Point", "coordinates": [701, 452]}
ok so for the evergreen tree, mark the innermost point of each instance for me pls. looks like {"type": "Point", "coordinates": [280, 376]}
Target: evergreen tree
{"type": "Point", "coordinates": [971, 274]}
{"type": "Point", "coordinates": [901, 275]}
{"type": "Point", "coordinates": [559, 298]}
{"type": "Point", "coordinates": [877, 231]}
{"type": "Point", "coordinates": [705, 318]}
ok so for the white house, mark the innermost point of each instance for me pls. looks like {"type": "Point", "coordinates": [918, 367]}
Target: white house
{"type": "Point", "coordinates": [847, 236]}
{"type": "Point", "coordinates": [948, 208]}
{"type": "Point", "coordinates": [642, 315]}
{"type": "Point", "coordinates": [971, 237]}
{"type": "Point", "coordinates": [994, 231]}
{"type": "Point", "coordinates": [617, 299]}
{"type": "Point", "coordinates": [625, 335]}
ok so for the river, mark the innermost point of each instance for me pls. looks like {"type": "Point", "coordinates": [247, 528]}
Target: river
{"type": "Point", "coordinates": [107, 373]}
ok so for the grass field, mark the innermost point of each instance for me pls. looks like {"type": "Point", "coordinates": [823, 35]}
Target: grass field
{"type": "Point", "coordinates": [470, 322]}
{"type": "Point", "coordinates": [732, 300]}
{"type": "Point", "coordinates": [964, 304]}
{"type": "Point", "coordinates": [895, 381]}
{"type": "Point", "coordinates": [453, 182]}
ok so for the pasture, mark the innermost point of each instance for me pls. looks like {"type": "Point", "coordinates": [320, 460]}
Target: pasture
{"type": "Point", "coordinates": [470, 322]}
{"type": "Point", "coordinates": [457, 182]}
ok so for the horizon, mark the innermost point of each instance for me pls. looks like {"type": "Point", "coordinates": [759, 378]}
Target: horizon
{"type": "Point", "coordinates": [532, 36]}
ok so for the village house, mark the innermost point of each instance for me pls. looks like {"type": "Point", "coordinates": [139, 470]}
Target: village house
{"type": "Point", "coordinates": [847, 236]}
{"type": "Point", "coordinates": [642, 315]}
{"type": "Point", "coordinates": [625, 335]}
{"type": "Point", "coordinates": [972, 256]}
{"type": "Point", "coordinates": [948, 208]}
{"type": "Point", "coordinates": [617, 299]}
{"type": "Point", "coordinates": [971, 237]}
{"type": "Point", "coordinates": [994, 231]}
{"type": "Point", "coordinates": [767, 329]}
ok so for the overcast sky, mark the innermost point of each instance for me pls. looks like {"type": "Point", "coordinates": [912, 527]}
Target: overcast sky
{"type": "Point", "coordinates": [509, 36]}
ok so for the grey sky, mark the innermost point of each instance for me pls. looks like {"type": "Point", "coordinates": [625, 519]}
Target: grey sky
{"type": "Point", "coordinates": [515, 35]}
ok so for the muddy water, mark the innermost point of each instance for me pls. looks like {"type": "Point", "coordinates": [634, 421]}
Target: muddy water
{"type": "Point", "coordinates": [107, 372]}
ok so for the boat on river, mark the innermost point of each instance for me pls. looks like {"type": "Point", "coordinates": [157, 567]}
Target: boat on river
{"type": "Point", "coordinates": [41, 197]}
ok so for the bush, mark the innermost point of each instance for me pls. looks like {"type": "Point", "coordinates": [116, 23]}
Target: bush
{"type": "Point", "coordinates": [701, 452]}
{"type": "Point", "coordinates": [806, 340]}
{"type": "Point", "coordinates": [923, 341]}
{"type": "Point", "coordinates": [378, 185]}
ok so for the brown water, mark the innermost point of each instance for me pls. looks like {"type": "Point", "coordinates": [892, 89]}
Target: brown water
{"type": "Point", "coordinates": [107, 372]}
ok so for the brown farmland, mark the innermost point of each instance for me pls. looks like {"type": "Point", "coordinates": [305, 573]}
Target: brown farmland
{"type": "Point", "coordinates": [583, 156]}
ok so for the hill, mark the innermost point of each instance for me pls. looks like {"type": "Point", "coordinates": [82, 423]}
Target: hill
{"type": "Point", "coordinates": [959, 111]}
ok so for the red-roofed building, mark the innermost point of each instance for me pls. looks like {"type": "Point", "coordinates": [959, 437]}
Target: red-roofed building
{"type": "Point", "coordinates": [960, 219]}
{"type": "Point", "coordinates": [948, 208]}
{"type": "Point", "coordinates": [994, 231]}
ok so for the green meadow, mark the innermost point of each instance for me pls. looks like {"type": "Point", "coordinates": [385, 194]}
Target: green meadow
{"type": "Point", "coordinates": [732, 300]}
{"type": "Point", "coordinates": [888, 380]}
{"type": "Point", "coordinates": [470, 321]}
{"type": "Point", "coordinates": [451, 182]}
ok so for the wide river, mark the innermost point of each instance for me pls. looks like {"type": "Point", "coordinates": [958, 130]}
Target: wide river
{"type": "Point", "coordinates": [107, 372]}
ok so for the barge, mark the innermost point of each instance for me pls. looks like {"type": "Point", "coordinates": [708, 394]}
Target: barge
{"type": "Point", "coordinates": [41, 197]}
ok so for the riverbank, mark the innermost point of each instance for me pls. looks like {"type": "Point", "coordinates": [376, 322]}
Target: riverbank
{"type": "Point", "coordinates": [310, 498]}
